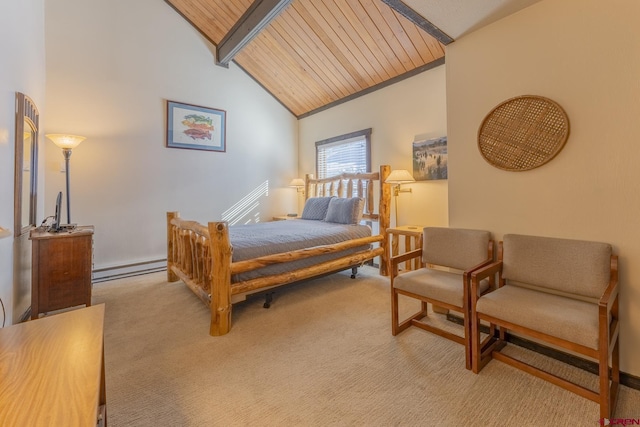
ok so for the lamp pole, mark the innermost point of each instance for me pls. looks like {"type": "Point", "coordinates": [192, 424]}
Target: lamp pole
{"type": "Point", "coordinates": [66, 152]}
{"type": "Point", "coordinates": [67, 143]}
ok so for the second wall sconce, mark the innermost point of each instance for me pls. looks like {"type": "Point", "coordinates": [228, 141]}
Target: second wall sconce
{"type": "Point", "coordinates": [298, 183]}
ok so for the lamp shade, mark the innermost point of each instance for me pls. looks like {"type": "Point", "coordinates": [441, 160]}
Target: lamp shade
{"type": "Point", "coordinates": [4, 232]}
{"type": "Point", "coordinates": [399, 176]}
{"type": "Point", "coordinates": [296, 182]}
{"type": "Point", "coordinates": [66, 141]}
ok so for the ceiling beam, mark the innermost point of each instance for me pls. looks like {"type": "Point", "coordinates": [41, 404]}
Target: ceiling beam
{"type": "Point", "coordinates": [254, 20]}
{"type": "Point", "coordinates": [419, 20]}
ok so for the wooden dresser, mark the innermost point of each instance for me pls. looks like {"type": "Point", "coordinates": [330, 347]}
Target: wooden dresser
{"type": "Point", "coordinates": [61, 269]}
{"type": "Point", "coordinates": [52, 371]}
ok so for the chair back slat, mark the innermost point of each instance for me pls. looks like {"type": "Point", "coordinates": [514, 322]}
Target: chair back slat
{"type": "Point", "coordinates": [455, 247]}
{"type": "Point", "coordinates": [572, 266]}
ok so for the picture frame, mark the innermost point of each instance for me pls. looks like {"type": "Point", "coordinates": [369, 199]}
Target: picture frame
{"type": "Point", "coordinates": [430, 159]}
{"type": "Point", "coordinates": [195, 127]}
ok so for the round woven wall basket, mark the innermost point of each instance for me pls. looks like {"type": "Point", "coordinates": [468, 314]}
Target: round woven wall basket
{"type": "Point", "coordinates": [523, 133]}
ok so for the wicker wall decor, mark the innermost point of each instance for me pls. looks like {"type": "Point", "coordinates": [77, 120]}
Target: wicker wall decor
{"type": "Point", "coordinates": [523, 133]}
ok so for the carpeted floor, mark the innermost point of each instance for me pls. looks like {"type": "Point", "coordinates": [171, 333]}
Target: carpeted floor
{"type": "Point", "coordinates": [322, 355]}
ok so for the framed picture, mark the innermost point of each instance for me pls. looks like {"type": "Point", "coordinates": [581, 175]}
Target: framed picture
{"type": "Point", "coordinates": [430, 159]}
{"type": "Point", "coordinates": [195, 127]}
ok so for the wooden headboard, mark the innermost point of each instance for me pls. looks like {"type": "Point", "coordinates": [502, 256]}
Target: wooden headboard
{"type": "Point", "coordinates": [355, 185]}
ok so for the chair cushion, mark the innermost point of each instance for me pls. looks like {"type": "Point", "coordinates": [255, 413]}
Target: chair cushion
{"type": "Point", "coordinates": [454, 247]}
{"type": "Point", "coordinates": [570, 266]}
{"type": "Point", "coordinates": [572, 320]}
{"type": "Point", "coordinates": [435, 284]}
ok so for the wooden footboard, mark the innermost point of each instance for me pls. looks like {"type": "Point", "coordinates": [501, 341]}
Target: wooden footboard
{"type": "Point", "coordinates": [202, 258]}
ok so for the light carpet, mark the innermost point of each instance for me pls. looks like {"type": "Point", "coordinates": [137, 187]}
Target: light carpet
{"type": "Point", "coordinates": [322, 355]}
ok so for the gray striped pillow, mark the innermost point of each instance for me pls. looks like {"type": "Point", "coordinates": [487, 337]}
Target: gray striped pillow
{"type": "Point", "coordinates": [345, 211]}
{"type": "Point", "coordinates": [316, 208]}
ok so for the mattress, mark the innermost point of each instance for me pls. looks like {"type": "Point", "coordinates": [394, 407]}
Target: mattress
{"type": "Point", "coordinates": [267, 238]}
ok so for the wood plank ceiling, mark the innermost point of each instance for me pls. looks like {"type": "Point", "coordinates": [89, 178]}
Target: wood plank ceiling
{"type": "Point", "coordinates": [317, 53]}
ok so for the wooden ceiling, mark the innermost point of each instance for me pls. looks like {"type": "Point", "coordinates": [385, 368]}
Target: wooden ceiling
{"type": "Point", "coordinates": [317, 53]}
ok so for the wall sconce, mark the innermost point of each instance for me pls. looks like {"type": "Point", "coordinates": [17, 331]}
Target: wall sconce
{"type": "Point", "coordinates": [298, 183]}
{"type": "Point", "coordinates": [67, 143]}
{"type": "Point", "coordinates": [396, 178]}
{"type": "Point", "coordinates": [4, 232]}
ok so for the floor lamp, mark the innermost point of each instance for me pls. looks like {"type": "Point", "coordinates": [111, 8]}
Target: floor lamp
{"type": "Point", "coordinates": [396, 178]}
{"type": "Point", "coordinates": [67, 143]}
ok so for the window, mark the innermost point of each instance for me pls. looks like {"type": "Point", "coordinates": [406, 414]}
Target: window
{"type": "Point", "coordinates": [350, 153]}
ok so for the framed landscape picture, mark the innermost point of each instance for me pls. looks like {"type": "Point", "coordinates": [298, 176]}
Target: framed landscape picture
{"type": "Point", "coordinates": [430, 159]}
{"type": "Point", "coordinates": [195, 127]}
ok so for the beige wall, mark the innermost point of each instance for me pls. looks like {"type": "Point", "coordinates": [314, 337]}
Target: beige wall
{"type": "Point", "coordinates": [585, 55]}
{"type": "Point", "coordinates": [396, 114]}
{"type": "Point", "coordinates": [111, 66]}
{"type": "Point", "coordinates": [21, 70]}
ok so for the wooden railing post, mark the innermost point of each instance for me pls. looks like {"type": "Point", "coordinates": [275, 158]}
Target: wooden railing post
{"type": "Point", "coordinates": [307, 186]}
{"type": "Point", "coordinates": [171, 276]}
{"type": "Point", "coordinates": [220, 278]}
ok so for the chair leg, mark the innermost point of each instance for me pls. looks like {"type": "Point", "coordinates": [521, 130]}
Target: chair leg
{"type": "Point", "coordinates": [481, 351]}
{"type": "Point", "coordinates": [609, 379]}
{"type": "Point", "coordinates": [476, 350]}
{"type": "Point", "coordinates": [467, 342]}
{"type": "Point", "coordinates": [394, 312]}
{"type": "Point", "coordinates": [396, 325]}
{"type": "Point", "coordinates": [605, 404]}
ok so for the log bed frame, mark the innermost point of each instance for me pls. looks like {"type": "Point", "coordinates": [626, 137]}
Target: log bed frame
{"type": "Point", "coordinates": [202, 256]}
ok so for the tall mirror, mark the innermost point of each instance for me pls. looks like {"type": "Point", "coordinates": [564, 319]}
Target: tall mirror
{"type": "Point", "coordinates": [26, 164]}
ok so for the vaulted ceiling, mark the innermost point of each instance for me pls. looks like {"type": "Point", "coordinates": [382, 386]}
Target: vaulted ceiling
{"type": "Point", "coordinates": [313, 54]}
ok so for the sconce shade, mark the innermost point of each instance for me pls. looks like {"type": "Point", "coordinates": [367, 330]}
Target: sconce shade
{"type": "Point", "coordinates": [297, 182]}
{"type": "Point", "coordinates": [66, 141]}
{"type": "Point", "coordinates": [399, 176]}
{"type": "Point", "coordinates": [4, 232]}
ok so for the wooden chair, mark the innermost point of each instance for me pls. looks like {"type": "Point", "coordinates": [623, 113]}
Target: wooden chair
{"type": "Point", "coordinates": [450, 255]}
{"type": "Point", "coordinates": [558, 291]}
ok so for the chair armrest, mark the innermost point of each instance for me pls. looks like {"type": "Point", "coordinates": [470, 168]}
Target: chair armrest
{"type": "Point", "coordinates": [611, 293]}
{"type": "Point", "coordinates": [467, 273]}
{"type": "Point", "coordinates": [608, 309]}
{"type": "Point", "coordinates": [398, 259]}
{"type": "Point", "coordinates": [488, 271]}
{"type": "Point", "coordinates": [487, 261]}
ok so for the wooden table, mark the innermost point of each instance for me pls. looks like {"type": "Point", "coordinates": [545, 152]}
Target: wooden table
{"type": "Point", "coordinates": [52, 371]}
{"type": "Point", "coordinates": [412, 240]}
{"type": "Point", "coordinates": [284, 217]}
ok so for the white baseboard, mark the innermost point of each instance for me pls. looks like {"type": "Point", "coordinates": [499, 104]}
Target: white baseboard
{"type": "Point", "coordinates": [128, 270]}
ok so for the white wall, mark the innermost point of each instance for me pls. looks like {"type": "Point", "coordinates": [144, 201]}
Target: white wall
{"type": "Point", "coordinates": [585, 55]}
{"type": "Point", "coordinates": [111, 66]}
{"type": "Point", "coordinates": [22, 70]}
{"type": "Point", "coordinates": [396, 114]}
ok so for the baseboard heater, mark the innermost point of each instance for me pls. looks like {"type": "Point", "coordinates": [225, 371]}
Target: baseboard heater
{"type": "Point", "coordinates": [128, 270]}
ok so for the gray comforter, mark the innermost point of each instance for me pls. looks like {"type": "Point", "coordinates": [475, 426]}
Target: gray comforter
{"type": "Point", "coordinates": [255, 240]}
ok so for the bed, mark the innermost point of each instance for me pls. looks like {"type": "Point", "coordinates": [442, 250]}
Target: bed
{"type": "Point", "coordinates": [223, 264]}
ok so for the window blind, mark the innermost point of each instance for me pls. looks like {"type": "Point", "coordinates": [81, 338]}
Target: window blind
{"type": "Point", "coordinates": [344, 154]}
